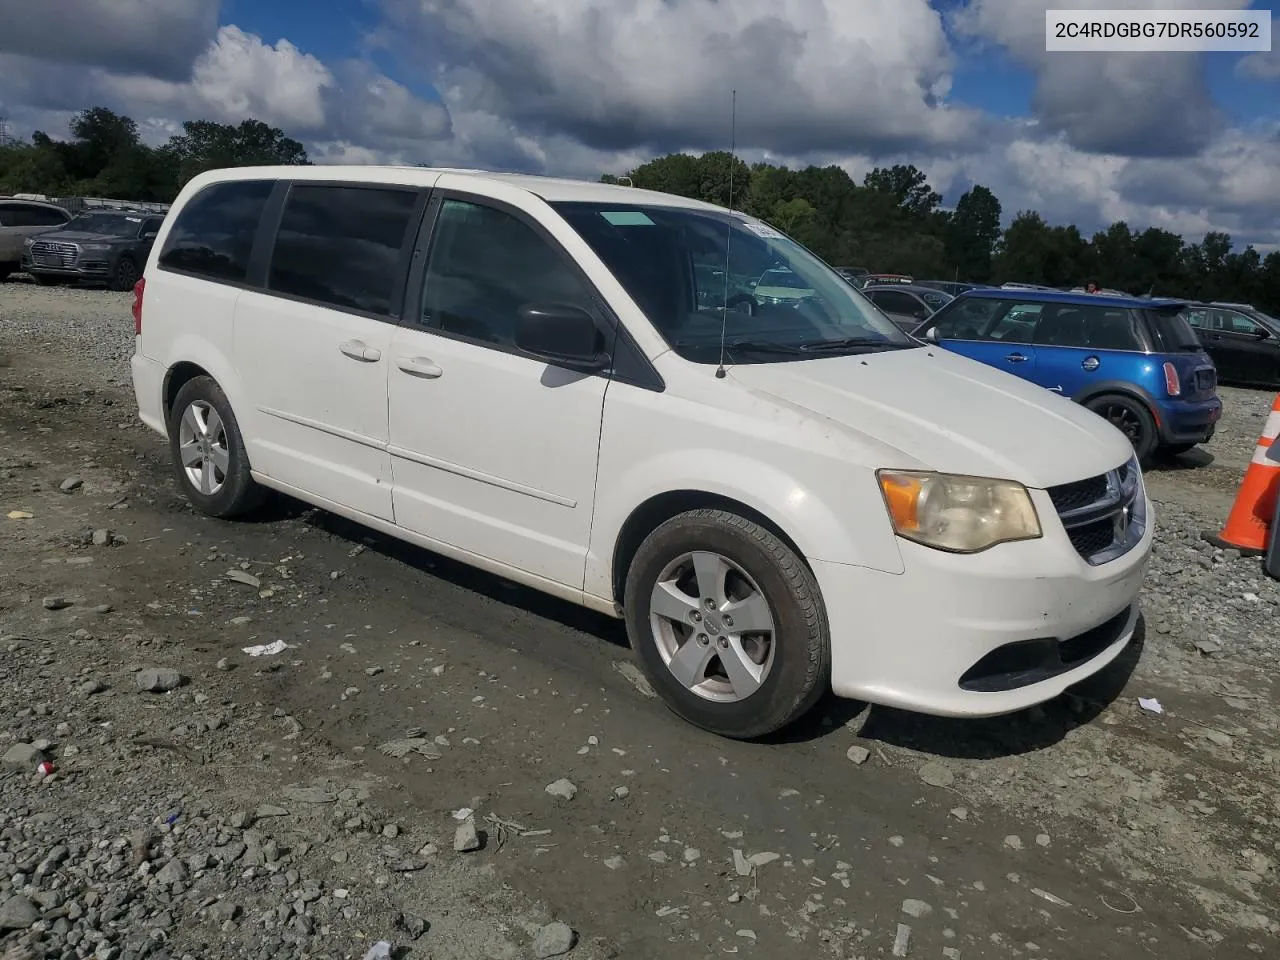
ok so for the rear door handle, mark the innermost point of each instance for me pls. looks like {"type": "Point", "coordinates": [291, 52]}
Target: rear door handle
{"type": "Point", "coordinates": [1016, 358]}
{"type": "Point", "coordinates": [356, 350]}
{"type": "Point", "coordinates": [420, 367]}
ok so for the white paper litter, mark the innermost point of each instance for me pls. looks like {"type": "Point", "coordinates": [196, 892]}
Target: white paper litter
{"type": "Point", "coordinates": [463, 814]}
{"type": "Point", "coordinates": [1150, 704]}
{"type": "Point", "coordinates": [379, 951]}
{"type": "Point", "coordinates": [267, 649]}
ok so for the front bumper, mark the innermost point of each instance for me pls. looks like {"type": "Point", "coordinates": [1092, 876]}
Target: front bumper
{"type": "Point", "coordinates": [982, 634]}
{"type": "Point", "coordinates": [86, 269]}
{"type": "Point", "coordinates": [1193, 422]}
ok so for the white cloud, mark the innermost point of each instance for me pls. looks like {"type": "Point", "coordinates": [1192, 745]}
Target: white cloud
{"type": "Point", "coordinates": [239, 76]}
{"type": "Point", "coordinates": [131, 36]}
{"type": "Point", "coordinates": [1152, 104]}
{"type": "Point", "coordinates": [810, 74]}
{"type": "Point", "coordinates": [1262, 65]}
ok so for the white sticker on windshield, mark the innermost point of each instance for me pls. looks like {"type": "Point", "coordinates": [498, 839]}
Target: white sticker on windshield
{"type": "Point", "coordinates": [134, 219]}
{"type": "Point", "coordinates": [762, 230]}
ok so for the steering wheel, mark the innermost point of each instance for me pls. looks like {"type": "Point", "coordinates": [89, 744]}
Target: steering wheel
{"type": "Point", "coordinates": [742, 299]}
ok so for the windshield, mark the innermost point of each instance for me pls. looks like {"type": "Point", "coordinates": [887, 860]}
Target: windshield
{"type": "Point", "coordinates": [695, 273]}
{"type": "Point", "coordinates": [105, 224]}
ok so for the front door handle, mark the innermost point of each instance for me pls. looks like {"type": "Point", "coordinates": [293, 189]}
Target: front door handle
{"type": "Point", "coordinates": [1016, 358]}
{"type": "Point", "coordinates": [420, 367]}
{"type": "Point", "coordinates": [356, 350]}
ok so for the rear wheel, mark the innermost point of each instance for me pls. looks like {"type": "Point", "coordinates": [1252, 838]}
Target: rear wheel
{"type": "Point", "coordinates": [727, 623]}
{"type": "Point", "coordinates": [208, 452]}
{"type": "Point", "coordinates": [1132, 418]}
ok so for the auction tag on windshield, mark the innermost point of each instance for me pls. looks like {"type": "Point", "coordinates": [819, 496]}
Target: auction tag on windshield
{"type": "Point", "coordinates": [134, 219]}
{"type": "Point", "coordinates": [761, 229]}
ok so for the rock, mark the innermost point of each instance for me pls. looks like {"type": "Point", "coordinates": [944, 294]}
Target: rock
{"type": "Point", "coordinates": [1208, 648]}
{"type": "Point", "coordinates": [175, 871]}
{"type": "Point", "coordinates": [1043, 840]}
{"type": "Point", "coordinates": [916, 908]}
{"type": "Point", "coordinates": [101, 538]}
{"type": "Point", "coordinates": [858, 755]}
{"type": "Point", "coordinates": [158, 680]}
{"type": "Point", "coordinates": [554, 940]}
{"type": "Point", "coordinates": [1216, 736]}
{"type": "Point", "coordinates": [268, 810]}
{"type": "Point", "coordinates": [741, 865]}
{"type": "Point", "coordinates": [465, 838]}
{"type": "Point", "coordinates": [1013, 842]}
{"type": "Point", "coordinates": [55, 603]}
{"type": "Point", "coordinates": [224, 910]}
{"type": "Point", "coordinates": [901, 940]}
{"type": "Point", "coordinates": [414, 926]}
{"type": "Point", "coordinates": [19, 913]}
{"type": "Point", "coordinates": [621, 792]}
{"type": "Point", "coordinates": [936, 774]}
{"type": "Point", "coordinates": [960, 813]}
{"type": "Point", "coordinates": [224, 665]}
{"type": "Point", "coordinates": [763, 859]}
{"type": "Point", "coordinates": [317, 795]}
{"type": "Point", "coordinates": [565, 790]}
{"type": "Point", "coordinates": [22, 756]}
{"type": "Point", "coordinates": [71, 484]}
{"type": "Point", "coordinates": [90, 687]}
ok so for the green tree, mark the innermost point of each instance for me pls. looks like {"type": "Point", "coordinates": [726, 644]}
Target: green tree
{"type": "Point", "coordinates": [908, 185]}
{"type": "Point", "coordinates": [205, 145]}
{"type": "Point", "coordinates": [971, 234]}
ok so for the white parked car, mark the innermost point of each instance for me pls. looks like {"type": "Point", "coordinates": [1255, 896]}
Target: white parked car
{"type": "Point", "coordinates": [515, 371]}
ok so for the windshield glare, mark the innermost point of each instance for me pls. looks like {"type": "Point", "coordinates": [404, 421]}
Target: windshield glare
{"type": "Point", "coordinates": [105, 224]}
{"type": "Point", "coordinates": [696, 272]}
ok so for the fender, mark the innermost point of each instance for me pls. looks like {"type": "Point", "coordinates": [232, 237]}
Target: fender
{"type": "Point", "coordinates": [1125, 388]}
{"type": "Point", "coordinates": [809, 517]}
{"type": "Point", "coordinates": [204, 353]}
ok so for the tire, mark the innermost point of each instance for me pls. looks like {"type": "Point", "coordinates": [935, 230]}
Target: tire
{"type": "Point", "coordinates": [784, 678]}
{"type": "Point", "coordinates": [1132, 418]}
{"type": "Point", "coordinates": [228, 489]}
{"type": "Point", "coordinates": [126, 274]}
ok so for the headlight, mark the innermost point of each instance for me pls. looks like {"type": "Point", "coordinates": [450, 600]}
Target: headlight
{"type": "Point", "coordinates": [95, 247]}
{"type": "Point", "coordinates": [958, 514]}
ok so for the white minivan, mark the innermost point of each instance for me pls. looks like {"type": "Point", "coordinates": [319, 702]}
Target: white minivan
{"type": "Point", "coordinates": [781, 497]}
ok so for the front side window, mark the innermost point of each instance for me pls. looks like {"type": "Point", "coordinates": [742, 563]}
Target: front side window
{"type": "Point", "coordinates": [1232, 322]}
{"type": "Point", "coordinates": [213, 235]}
{"type": "Point", "coordinates": [980, 318]}
{"type": "Point", "coordinates": [486, 264]}
{"type": "Point", "coordinates": [340, 246]}
{"type": "Point", "coordinates": [771, 299]}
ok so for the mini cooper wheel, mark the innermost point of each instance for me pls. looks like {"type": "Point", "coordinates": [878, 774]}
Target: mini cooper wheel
{"type": "Point", "coordinates": [727, 623]}
{"type": "Point", "coordinates": [1130, 417]}
{"type": "Point", "coordinates": [208, 452]}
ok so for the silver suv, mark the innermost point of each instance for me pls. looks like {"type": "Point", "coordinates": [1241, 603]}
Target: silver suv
{"type": "Point", "coordinates": [20, 219]}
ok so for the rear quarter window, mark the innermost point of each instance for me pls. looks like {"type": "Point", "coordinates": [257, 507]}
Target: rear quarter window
{"type": "Point", "coordinates": [212, 236]}
{"type": "Point", "coordinates": [1172, 332]}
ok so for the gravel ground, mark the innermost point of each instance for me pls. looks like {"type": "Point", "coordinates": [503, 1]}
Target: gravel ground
{"type": "Point", "coordinates": [395, 773]}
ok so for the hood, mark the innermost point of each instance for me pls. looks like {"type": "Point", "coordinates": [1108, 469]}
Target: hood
{"type": "Point", "coordinates": [948, 413]}
{"type": "Point", "coordinates": [78, 236]}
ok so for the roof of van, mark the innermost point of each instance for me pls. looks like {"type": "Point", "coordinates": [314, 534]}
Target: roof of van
{"type": "Point", "coordinates": [1075, 299]}
{"type": "Point", "coordinates": [550, 189]}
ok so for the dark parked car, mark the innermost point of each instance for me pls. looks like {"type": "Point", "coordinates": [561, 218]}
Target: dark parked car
{"type": "Point", "coordinates": [953, 287]}
{"type": "Point", "coordinates": [104, 246]}
{"type": "Point", "coordinates": [906, 304]}
{"type": "Point", "coordinates": [1243, 341]}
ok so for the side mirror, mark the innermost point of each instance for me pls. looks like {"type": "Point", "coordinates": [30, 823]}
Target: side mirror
{"type": "Point", "coordinates": [1262, 333]}
{"type": "Point", "coordinates": [562, 334]}
{"type": "Point", "coordinates": [931, 335]}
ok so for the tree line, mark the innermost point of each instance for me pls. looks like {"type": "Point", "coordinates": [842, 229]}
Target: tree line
{"type": "Point", "coordinates": [893, 222]}
{"type": "Point", "coordinates": [105, 157]}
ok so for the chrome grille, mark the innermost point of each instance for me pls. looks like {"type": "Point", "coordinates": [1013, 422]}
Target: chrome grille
{"type": "Point", "coordinates": [1105, 516]}
{"type": "Point", "coordinates": [51, 253]}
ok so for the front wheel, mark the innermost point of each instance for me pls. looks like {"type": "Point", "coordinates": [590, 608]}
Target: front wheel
{"type": "Point", "coordinates": [208, 452]}
{"type": "Point", "coordinates": [125, 275]}
{"type": "Point", "coordinates": [728, 624]}
{"type": "Point", "coordinates": [1132, 418]}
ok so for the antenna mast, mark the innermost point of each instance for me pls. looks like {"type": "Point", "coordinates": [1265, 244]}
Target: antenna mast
{"type": "Point", "coordinates": [728, 237]}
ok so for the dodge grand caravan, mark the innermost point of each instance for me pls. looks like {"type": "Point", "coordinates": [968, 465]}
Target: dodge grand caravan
{"type": "Point", "coordinates": [779, 498]}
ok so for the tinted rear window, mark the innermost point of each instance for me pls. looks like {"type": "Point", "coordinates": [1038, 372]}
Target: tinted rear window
{"type": "Point", "coordinates": [213, 234]}
{"type": "Point", "coordinates": [1096, 328]}
{"type": "Point", "coordinates": [1171, 332]}
{"type": "Point", "coordinates": [341, 246]}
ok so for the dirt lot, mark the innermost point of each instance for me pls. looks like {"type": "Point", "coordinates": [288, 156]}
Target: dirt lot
{"type": "Point", "coordinates": [306, 803]}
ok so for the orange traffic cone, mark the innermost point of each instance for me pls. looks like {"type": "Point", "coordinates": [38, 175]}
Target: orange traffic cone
{"type": "Point", "coordinates": [1248, 525]}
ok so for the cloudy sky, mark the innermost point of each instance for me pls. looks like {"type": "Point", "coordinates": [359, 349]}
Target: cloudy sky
{"type": "Point", "coordinates": [962, 88]}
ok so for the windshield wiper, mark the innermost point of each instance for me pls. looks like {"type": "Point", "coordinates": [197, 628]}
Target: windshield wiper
{"type": "Point", "coordinates": [765, 346]}
{"type": "Point", "coordinates": [848, 343]}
